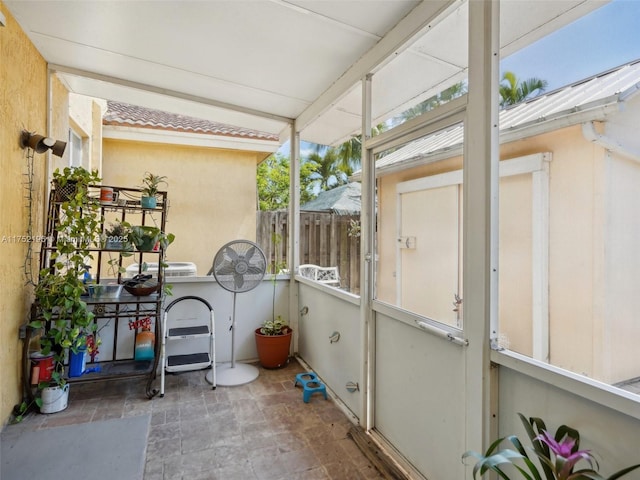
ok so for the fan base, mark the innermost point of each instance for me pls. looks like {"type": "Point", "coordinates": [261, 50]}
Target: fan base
{"type": "Point", "coordinates": [227, 376]}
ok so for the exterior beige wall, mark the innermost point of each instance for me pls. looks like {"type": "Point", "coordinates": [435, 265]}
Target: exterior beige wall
{"type": "Point", "coordinates": [516, 285]}
{"type": "Point", "coordinates": [387, 222]}
{"type": "Point", "coordinates": [59, 122]}
{"type": "Point", "coordinates": [576, 225]}
{"type": "Point", "coordinates": [23, 96]}
{"type": "Point", "coordinates": [86, 119]}
{"type": "Point", "coordinates": [591, 317]}
{"type": "Point", "coordinates": [212, 193]}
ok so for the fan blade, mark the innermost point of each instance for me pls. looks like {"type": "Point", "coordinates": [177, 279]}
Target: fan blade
{"type": "Point", "coordinates": [233, 255]}
{"type": "Point", "coordinates": [225, 268]}
{"type": "Point", "coordinates": [239, 280]}
{"type": "Point", "coordinates": [254, 270]}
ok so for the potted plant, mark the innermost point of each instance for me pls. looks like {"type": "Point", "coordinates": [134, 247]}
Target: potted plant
{"type": "Point", "coordinates": [273, 340]}
{"type": "Point", "coordinates": [72, 181]}
{"type": "Point", "coordinates": [146, 237]}
{"type": "Point", "coordinates": [116, 236]}
{"type": "Point", "coordinates": [558, 456]}
{"type": "Point", "coordinates": [62, 315]}
{"type": "Point", "coordinates": [150, 184]}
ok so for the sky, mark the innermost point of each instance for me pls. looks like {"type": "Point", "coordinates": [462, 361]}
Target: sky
{"type": "Point", "coordinates": [606, 38]}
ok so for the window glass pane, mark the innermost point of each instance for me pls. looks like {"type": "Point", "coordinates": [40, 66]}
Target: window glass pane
{"type": "Point", "coordinates": [419, 227]}
{"type": "Point", "coordinates": [75, 157]}
{"type": "Point", "coordinates": [330, 248]}
{"type": "Point", "coordinates": [569, 229]}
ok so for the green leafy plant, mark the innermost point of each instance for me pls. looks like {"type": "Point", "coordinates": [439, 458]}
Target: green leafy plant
{"type": "Point", "coordinates": [116, 237]}
{"type": "Point", "coordinates": [117, 231]}
{"type": "Point", "coordinates": [558, 456]}
{"type": "Point", "coordinates": [62, 316]}
{"type": "Point", "coordinates": [145, 237]}
{"type": "Point", "coordinates": [62, 313]}
{"type": "Point", "coordinates": [79, 176]}
{"type": "Point", "coordinates": [277, 326]}
{"type": "Point", "coordinates": [151, 183]}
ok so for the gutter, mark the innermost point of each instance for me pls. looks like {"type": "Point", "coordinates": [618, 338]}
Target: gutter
{"type": "Point", "coordinates": [591, 134]}
{"type": "Point", "coordinates": [581, 116]}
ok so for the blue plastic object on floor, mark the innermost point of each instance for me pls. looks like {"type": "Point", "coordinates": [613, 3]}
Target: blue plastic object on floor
{"type": "Point", "coordinates": [310, 385]}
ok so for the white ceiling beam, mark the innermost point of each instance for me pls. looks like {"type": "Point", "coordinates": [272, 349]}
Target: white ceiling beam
{"type": "Point", "coordinates": [395, 41]}
{"type": "Point", "coordinates": [168, 92]}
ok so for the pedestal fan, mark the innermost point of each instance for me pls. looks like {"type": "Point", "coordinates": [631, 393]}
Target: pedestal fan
{"type": "Point", "coordinates": [239, 266]}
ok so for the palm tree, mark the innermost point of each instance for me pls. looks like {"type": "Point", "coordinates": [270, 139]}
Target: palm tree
{"type": "Point", "coordinates": [327, 172]}
{"type": "Point", "coordinates": [350, 152]}
{"type": "Point", "coordinates": [513, 90]}
{"type": "Point", "coordinates": [430, 103]}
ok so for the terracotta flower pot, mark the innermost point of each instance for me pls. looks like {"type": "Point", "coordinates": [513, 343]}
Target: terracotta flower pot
{"type": "Point", "coordinates": [273, 350]}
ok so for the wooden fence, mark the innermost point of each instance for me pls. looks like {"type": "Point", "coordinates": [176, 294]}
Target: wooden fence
{"type": "Point", "coordinates": [326, 239]}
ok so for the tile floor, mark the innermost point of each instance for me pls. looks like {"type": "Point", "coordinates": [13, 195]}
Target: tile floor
{"type": "Point", "coordinates": [258, 431]}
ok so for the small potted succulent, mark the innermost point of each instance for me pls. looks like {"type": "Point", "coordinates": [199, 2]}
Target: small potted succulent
{"type": "Point", "coordinates": [116, 236]}
{"type": "Point", "coordinates": [149, 188]}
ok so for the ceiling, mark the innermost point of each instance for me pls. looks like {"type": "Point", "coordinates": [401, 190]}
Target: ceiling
{"type": "Point", "coordinates": [259, 64]}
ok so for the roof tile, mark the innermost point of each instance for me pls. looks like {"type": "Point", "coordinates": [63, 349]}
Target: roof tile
{"type": "Point", "coordinates": [126, 115]}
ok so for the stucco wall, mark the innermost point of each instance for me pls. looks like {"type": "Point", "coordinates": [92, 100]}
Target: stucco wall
{"type": "Point", "coordinates": [23, 96]}
{"type": "Point", "coordinates": [575, 231]}
{"type": "Point", "coordinates": [387, 226]}
{"type": "Point", "coordinates": [212, 193]}
{"type": "Point", "coordinates": [591, 276]}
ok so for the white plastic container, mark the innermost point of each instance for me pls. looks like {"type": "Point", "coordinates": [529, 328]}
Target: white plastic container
{"type": "Point", "coordinates": [54, 399]}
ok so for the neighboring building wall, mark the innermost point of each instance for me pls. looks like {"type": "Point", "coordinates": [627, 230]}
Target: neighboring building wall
{"type": "Point", "coordinates": [212, 193]}
{"type": "Point", "coordinates": [576, 225]}
{"type": "Point", "coordinates": [86, 120]}
{"type": "Point", "coordinates": [23, 96]}
{"type": "Point", "coordinates": [592, 267]}
{"type": "Point", "coordinates": [387, 222]}
{"type": "Point", "coordinates": [59, 122]}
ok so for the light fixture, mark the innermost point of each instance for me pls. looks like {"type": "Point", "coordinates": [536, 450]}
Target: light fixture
{"type": "Point", "coordinates": [41, 144]}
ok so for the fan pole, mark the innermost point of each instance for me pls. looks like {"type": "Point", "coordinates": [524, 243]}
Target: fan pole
{"type": "Point", "coordinates": [233, 332]}
{"type": "Point", "coordinates": [233, 374]}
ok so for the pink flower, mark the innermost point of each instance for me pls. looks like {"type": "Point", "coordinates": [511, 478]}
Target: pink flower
{"type": "Point", "coordinates": [562, 449]}
{"type": "Point", "coordinates": [566, 454]}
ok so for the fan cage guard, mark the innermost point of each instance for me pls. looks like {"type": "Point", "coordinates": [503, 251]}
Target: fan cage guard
{"type": "Point", "coordinates": [239, 266]}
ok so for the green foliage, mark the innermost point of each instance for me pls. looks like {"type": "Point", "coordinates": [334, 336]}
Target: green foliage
{"type": "Point", "coordinates": [432, 103]}
{"type": "Point", "coordinates": [273, 183]}
{"type": "Point", "coordinates": [513, 90]}
{"type": "Point", "coordinates": [327, 171]}
{"type": "Point", "coordinates": [273, 327]}
{"type": "Point", "coordinates": [558, 456]}
{"type": "Point", "coordinates": [151, 183]}
{"type": "Point", "coordinates": [144, 235]}
{"type": "Point", "coordinates": [19, 411]}
{"type": "Point", "coordinates": [60, 287]}
{"type": "Point", "coordinates": [78, 175]}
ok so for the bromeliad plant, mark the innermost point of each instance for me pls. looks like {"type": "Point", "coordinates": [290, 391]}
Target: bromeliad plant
{"type": "Point", "coordinates": [558, 456]}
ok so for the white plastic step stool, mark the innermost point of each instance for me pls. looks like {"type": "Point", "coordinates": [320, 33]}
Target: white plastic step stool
{"type": "Point", "coordinates": [187, 343]}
